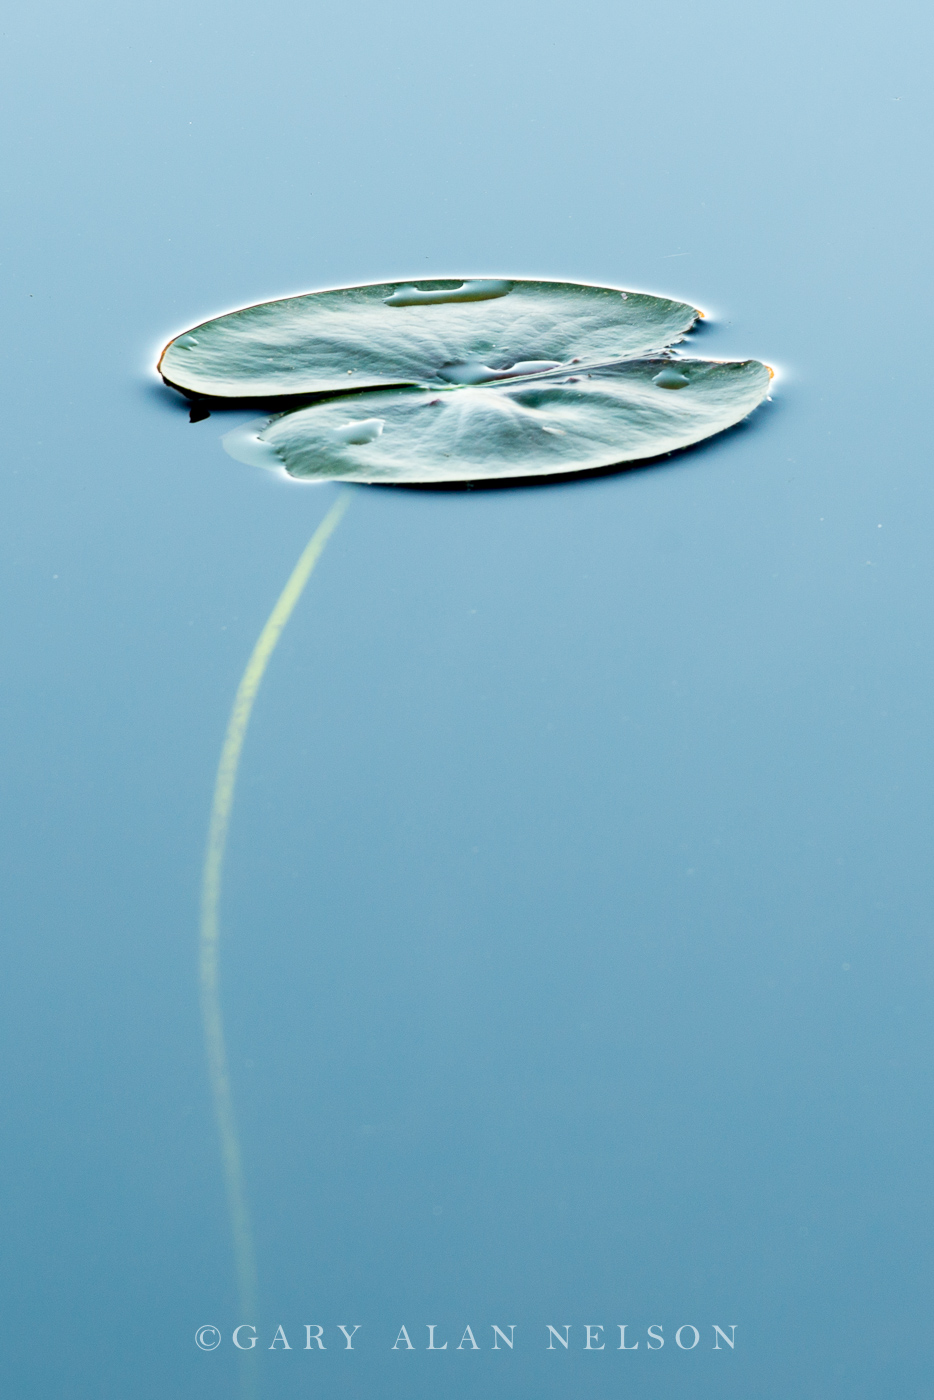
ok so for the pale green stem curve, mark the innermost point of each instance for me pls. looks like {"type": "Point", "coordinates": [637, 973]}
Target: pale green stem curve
{"type": "Point", "coordinates": [221, 807]}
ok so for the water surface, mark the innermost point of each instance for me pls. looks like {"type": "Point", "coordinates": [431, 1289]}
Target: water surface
{"type": "Point", "coordinates": [578, 964]}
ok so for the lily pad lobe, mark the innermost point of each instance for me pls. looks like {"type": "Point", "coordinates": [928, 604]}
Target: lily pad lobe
{"type": "Point", "coordinates": [540, 425]}
{"type": "Point", "coordinates": [427, 333]}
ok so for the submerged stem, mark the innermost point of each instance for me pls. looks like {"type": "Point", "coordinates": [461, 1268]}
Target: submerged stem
{"type": "Point", "coordinates": [212, 1018]}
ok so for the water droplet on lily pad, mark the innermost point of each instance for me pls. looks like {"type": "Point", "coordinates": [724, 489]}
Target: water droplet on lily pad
{"type": "Point", "coordinates": [356, 434]}
{"type": "Point", "coordinates": [485, 290]}
{"type": "Point", "coordinates": [671, 379]}
{"type": "Point", "coordinates": [473, 372]}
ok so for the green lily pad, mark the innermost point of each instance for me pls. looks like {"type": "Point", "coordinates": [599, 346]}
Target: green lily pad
{"type": "Point", "coordinates": [540, 425]}
{"type": "Point", "coordinates": [434, 333]}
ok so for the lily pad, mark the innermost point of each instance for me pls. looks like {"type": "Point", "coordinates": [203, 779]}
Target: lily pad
{"type": "Point", "coordinates": [432, 333]}
{"type": "Point", "coordinates": [540, 425]}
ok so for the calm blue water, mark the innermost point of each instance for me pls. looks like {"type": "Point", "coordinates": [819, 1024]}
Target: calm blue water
{"type": "Point", "coordinates": [577, 963]}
